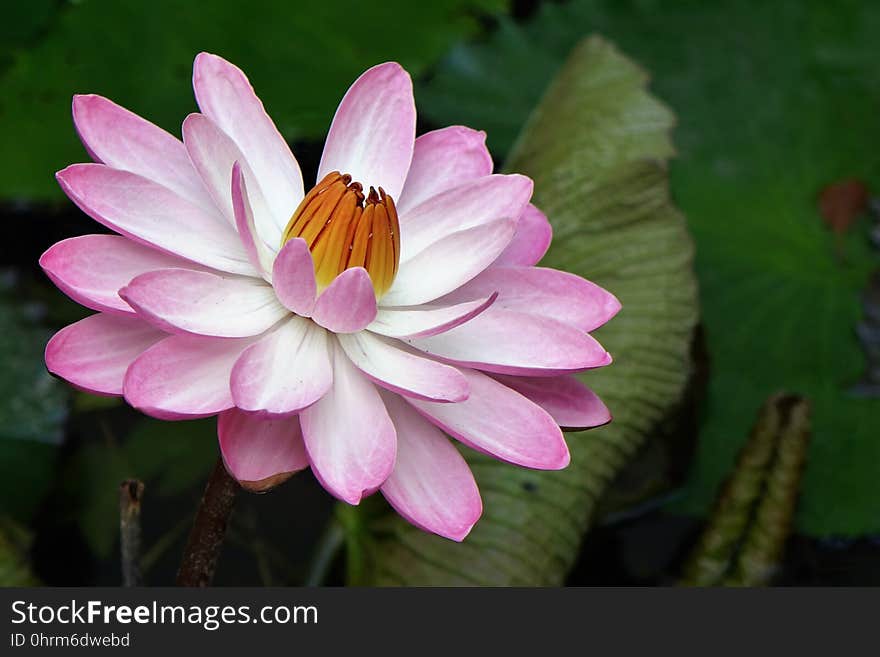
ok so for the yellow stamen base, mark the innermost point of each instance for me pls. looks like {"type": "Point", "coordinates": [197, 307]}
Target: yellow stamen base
{"type": "Point", "coordinates": [346, 229]}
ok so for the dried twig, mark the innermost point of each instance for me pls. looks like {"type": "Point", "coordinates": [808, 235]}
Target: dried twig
{"type": "Point", "coordinates": [131, 493]}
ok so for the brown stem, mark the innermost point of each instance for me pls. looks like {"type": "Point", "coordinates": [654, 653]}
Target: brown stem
{"type": "Point", "coordinates": [131, 493]}
{"type": "Point", "coordinates": [209, 529]}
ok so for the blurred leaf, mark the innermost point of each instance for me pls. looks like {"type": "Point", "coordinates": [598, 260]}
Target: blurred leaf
{"type": "Point", "coordinates": [596, 148]}
{"type": "Point", "coordinates": [83, 402]}
{"type": "Point", "coordinates": [23, 23]}
{"type": "Point", "coordinates": [32, 403]}
{"type": "Point", "coordinates": [27, 471]}
{"type": "Point", "coordinates": [775, 101]}
{"type": "Point", "coordinates": [300, 56]}
{"type": "Point", "coordinates": [744, 539]}
{"type": "Point", "coordinates": [92, 479]}
{"type": "Point", "coordinates": [15, 568]}
{"type": "Point", "coordinates": [168, 456]}
{"type": "Point", "coordinates": [172, 456]}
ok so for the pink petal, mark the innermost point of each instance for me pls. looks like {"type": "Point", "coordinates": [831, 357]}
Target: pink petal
{"type": "Point", "coordinates": [510, 342]}
{"type": "Point", "coordinates": [293, 276]}
{"type": "Point", "coordinates": [431, 484]}
{"type": "Point", "coordinates": [572, 404]}
{"type": "Point", "coordinates": [180, 300]}
{"type": "Point", "coordinates": [348, 435]}
{"type": "Point", "coordinates": [546, 292]}
{"type": "Point", "coordinates": [183, 377]}
{"type": "Point", "coordinates": [152, 214]}
{"type": "Point", "coordinates": [123, 140]}
{"type": "Point", "coordinates": [94, 353]}
{"type": "Point", "coordinates": [260, 453]}
{"type": "Point", "coordinates": [285, 371]}
{"type": "Point", "coordinates": [348, 304]}
{"type": "Point", "coordinates": [225, 95]}
{"type": "Point", "coordinates": [374, 130]}
{"type": "Point", "coordinates": [448, 264]}
{"type": "Point", "coordinates": [531, 241]}
{"type": "Point", "coordinates": [213, 154]}
{"type": "Point", "coordinates": [402, 371]}
{"type": "Point", "coordinates": [260, 255]}
{"type": "Point", "coordinates": [426, 320]}
{"type": "Point", "coordinates": [476, 203]}
{"type": "Point", "coordinates": [443, 159]}
{"type": "Point", "coordinates": [501, 422]}
{"type": "Point", "coordinates": [92, 268]}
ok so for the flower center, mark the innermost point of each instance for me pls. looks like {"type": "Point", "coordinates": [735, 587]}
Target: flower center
{"type": "Point", "coordinates": [345, 229]}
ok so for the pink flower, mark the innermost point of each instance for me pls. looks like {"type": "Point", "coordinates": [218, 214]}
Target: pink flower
{"type": "Point", "coordinates": [347, 329]}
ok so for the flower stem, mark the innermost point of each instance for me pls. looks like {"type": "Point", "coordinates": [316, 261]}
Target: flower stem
{"type": "Point", "coordinates": [209, 529]}
{"type": "Point", "coordinates": [328, 547]}
{"type": "Point", "coordinates": [131, 493]}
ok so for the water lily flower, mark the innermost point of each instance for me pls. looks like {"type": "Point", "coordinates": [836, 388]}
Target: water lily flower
{"type": "Point", "coordinates": [350, 327]}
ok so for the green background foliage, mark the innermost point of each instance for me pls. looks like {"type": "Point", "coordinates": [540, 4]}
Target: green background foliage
{"type": "Point", "coordinates": [33, 406]}
{"type": "Point", "coordinates": [300, 56]}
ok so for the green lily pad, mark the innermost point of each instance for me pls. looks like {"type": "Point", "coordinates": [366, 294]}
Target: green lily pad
{"type": "Point", "coordinates": [596, 147]}
{"type": "Point", "coordinates": [301, 56]}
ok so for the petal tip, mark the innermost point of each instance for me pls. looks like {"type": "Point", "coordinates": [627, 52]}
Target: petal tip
{"type": "Point", "coordinates": [78, 101]}
{"type": "Point", "coordinates": [349, 497]}
{"type": "Point", "coordinates": [263, 485]}
{"type": "Point", "coordinates": [563, 459]}
{"type": "Point", "coordinates": [612, 306]}
{"type": "Point", "coordinates": [62, 174]}
{"type": "Point", "coordinates": [190, 118]}
{"type": "Point", "coordinates": [205, 58]}
{"type": "Point", "coordinates": [47, 260]}
{"type": "Point", "coordinates": [459, 536]}
{"type": "Point", "coordinates": [525, 181]}
{"type": "Point", "coordinates": [459, 397]}
{"type": "Point", "coordinates": [348, 304]}
{"type": "Point", "coordinates": [391, 66]}
{"type": "Point", "coordinates": [470, 522]}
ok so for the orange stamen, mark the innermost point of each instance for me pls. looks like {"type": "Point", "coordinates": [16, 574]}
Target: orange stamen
{"type": "Point", "coordinates": [345, 229]}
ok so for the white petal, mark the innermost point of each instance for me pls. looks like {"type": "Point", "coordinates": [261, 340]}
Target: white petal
{"type": "Point", "coordinates": [350, 440]}
{"type": "Point", "coordinates": [402, 371]}
{"type": "Point", "coordinates": [285, 371]}
{"type": "Point", "coordinates": [225, 95]}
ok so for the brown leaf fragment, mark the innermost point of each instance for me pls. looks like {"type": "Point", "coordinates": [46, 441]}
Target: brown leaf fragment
{"type": "Point", "coordinates": [842, 202]}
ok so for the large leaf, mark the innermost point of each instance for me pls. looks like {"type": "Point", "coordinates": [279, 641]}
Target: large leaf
{"type": "Point", "coordinates": [775, 101]}
{"type": "Point", "coordinates": [300, 56]}
{"type": "Point", "coordinates": [595, 147]}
